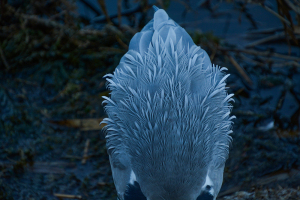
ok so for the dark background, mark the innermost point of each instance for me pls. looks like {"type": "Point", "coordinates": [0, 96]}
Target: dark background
{"type": "Point", "coordinates": [54, 53]}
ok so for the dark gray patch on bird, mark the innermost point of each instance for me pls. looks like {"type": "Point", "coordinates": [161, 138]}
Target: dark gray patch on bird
{"type": "Point", "coordinates": [208, 187]}
{"type": "Point", "coordinates": [205, 195]}
{"type": "Point", "coordinates": [134, 192]}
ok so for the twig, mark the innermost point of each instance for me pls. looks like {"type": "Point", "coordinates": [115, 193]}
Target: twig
{"type": "Point", "coordinates": [11, 160]}
{"type": "Point", "coordinates": [276, 14]}
{"type": "Point", "coordinates": [83, 124]}
{"type": "Point", "coordinates": [120, 12]}
{"type": "Point", "coordinates": [112, 30]}
{"type": "Point", "coordinates": [293, 63]}
{"type": "Point", "coordinates": [280, 101]}
{"type": "Point", "coordinates": [251, 60]}
{"type": "Point", "coordinates": [266, 39]}
{"type": "Point", "coordinates": [90, 32]}
{"type": "Point", "coordinates": [129, 29]}
{"type": "Point", "coordinates": [3, 172]}
{"type": "Point", "coordinates": [37, 20]}
{"type": "Point", "coordinates": [102, 183]}
{"type": "Point", "coordinates": [293, 7]}
{"type": "Point", "coordinates": [185, 4]}
{"type": "Point", "coordinates": [44, 22]}
{"type": "Point", "coordinates": [264, 53]}
{"type": "Point", "coordinates": [85, 152]}
{"type": "Point", "coordinates": [54, 24]}
{"type": "Point", "coordinates": [67, 196]}
{"type": "Point", "coordinates": [247, 113]}
{"type": "Point", "coordinates": [239, 91]}
{"type": "Point", "coordinates": [274, 62]}
{"type": "Point", "coordinates": [104, 10]}
{"type": "Point", "coordinates": [266, 31]}
{"type": "Point", "coordinates": [3, 59]}
{"type": "Point", "coordinates": [58, 15]}
{"type": "Point", "coordinates": [72, 157]}
{"type": "Point", "coordinates": [161, 4]}
{"type": "Point", "coordinates": [241, 71]}
{"type": "Point", "coordinates": [87, 3]}
{"type": "Point", "coordinates": [128, 12]}
{"type": "Point", "coordinates": [125, 46]}
{"type": "Point", "coordinates": [214, 51]}
{"type": "Point", "coordinates": [230, 191]}
{"type": "Point", "coordinates": [111, 49]}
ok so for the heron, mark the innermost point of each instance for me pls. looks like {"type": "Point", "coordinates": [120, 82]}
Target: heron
{"type": "Point", "coordinates": [169, 123]}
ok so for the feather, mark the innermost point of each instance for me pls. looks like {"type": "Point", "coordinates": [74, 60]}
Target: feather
{"type": "Point", "coordinates": [109, 100]}
{"type": "Point", "coordinates": [227, 98]}
{"type": "Point", "coordinates": [223, 79]}
{"type": "Point", "coordinates": [160, 17]}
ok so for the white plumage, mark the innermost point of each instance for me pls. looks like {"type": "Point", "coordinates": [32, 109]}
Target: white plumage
{"type": "Point", "coordinates": [168, 119]}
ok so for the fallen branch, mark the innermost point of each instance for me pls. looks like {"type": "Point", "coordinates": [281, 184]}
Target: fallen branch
{"type": "Point", "coordinates": [67, 196]}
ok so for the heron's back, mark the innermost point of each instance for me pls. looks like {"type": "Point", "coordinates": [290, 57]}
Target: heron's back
{"type": "Point", "coordinates": [168, 109]}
